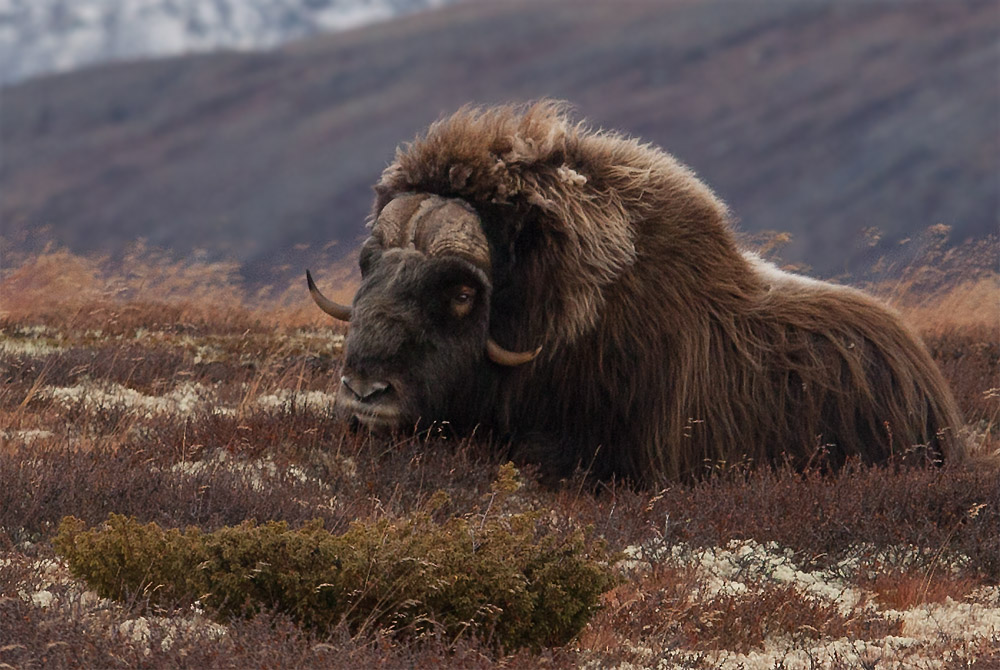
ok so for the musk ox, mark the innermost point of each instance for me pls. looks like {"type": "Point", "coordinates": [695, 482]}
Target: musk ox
{"type": "Point", "coordinates": [584, 291]}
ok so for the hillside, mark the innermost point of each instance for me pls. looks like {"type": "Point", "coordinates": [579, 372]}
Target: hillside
{"type": "Point", "coordinates": [823, 120]}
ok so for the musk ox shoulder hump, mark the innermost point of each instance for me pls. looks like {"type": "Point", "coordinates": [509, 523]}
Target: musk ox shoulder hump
{"type": "Point", "coordinates": [776, 278]}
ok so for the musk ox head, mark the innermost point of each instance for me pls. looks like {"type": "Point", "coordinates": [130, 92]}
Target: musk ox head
{"type": "Point", "coordinates": [420, 321]}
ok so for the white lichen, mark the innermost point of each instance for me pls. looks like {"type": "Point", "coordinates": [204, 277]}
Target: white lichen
{"type": "Point", "coordinates": [313, 400]}
{"type": "Point", "coordinates": [183, 400]}
{"type": "Point", "coordinates": [257, 473]}
{"type": "Point", "coordinates": [26, 436]}
{"type": "Point", "coordinates": [33, 348]}
{"type": "Point", "coordinates": [191, 628]}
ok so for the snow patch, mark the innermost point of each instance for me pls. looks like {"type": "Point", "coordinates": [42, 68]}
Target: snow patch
{"type": "Point", "coordinates": [45, 36]}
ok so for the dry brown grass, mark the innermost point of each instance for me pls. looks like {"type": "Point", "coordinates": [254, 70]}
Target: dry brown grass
{"type": "Point", "coordinates": [168, 392]}
{"type": "Point", "coordinates": [149, 289]}
{"type": "Point", "coordinates": [951, 296]}
{"type": "Point", "coordinates": [671, 605]}
{"type": "Point", "coordinates": [905, 589]}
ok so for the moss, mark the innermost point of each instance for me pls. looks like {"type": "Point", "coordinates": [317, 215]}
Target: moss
{"type": "Point", "coordinates": [502, 576]}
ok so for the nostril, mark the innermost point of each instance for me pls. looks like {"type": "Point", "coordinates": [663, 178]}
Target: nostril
{"type": "Point", "coordinates": [363, 389]}
{"type": "Point", "coordinates": [347, 383]}
{"type": "Point", "coordinates": [372, 390]}
{"type": "Point", "coordinates": [375, 388]}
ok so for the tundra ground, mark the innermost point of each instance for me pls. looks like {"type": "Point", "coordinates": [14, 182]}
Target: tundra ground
{"type": "Point", "coordinates": [161, 392]}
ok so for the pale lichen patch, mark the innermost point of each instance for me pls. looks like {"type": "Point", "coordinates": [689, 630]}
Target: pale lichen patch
{"type": "Point", "coordinates": [258, 473]}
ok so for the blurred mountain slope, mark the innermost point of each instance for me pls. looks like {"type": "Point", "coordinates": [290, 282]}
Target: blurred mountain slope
{"type": "Point", "coordinates": [45, 36]}
{"type": "Point", "coordinates": [821, 119]}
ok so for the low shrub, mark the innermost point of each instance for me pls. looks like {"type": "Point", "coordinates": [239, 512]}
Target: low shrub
{"type": "Point", "coordinates": [503, 577]}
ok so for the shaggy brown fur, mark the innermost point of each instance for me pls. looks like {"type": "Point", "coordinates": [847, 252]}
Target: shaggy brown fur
{"type": "Point", "coordinates": [665, 347]}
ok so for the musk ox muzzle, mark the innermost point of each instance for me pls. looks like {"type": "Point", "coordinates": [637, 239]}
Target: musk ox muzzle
{"type": "Point", "coordinates": [421, 312]}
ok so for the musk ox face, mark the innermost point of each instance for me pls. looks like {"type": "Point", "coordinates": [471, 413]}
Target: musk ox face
{"type": "Point", "coordinates": [419, 337]}
{"type": "Point", "coordinates": [418, 332]}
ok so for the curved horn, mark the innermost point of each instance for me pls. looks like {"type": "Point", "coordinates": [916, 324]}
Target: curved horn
{"type": "Point", "coordinates": [336, 310]}
{"type": "Point", "coordinates": [501, 356]}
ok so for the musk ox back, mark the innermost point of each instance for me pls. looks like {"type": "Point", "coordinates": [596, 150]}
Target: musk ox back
{"type": "Point", "coordinates": [582, 291]}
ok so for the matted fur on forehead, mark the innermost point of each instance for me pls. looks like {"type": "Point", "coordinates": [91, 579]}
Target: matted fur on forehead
{"type": "Point", "coordinates": [584, 191]}
{"type": "Point", "coordinates": [435, 225]}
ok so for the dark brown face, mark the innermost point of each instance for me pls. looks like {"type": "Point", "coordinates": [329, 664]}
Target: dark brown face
{"type": "Point", "coordinates": [419, 345]}
{"type": "Point", "coordinates": [418, 334]}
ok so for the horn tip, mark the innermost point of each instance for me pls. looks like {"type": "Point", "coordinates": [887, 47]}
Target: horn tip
{"type": "Point", "coordinates": [501, 356]}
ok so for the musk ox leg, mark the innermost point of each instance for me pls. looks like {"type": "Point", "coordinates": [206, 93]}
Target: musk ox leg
{"type": "Point", "coordinates": [555, 459]}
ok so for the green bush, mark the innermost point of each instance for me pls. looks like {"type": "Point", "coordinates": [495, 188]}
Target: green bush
{"type": "Point", "coordinates": [502, 576]}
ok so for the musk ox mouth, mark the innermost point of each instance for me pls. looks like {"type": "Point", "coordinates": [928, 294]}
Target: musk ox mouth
{"type": "Point", "coordinates": [382, 417]}
{"type": "Point", "coordinates": [373, 423]}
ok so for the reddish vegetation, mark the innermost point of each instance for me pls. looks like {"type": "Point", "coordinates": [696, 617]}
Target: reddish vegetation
{"type": "Point", "coordinates": [900, 589]}
{"type": "Point", "coordinates": [913, 536]}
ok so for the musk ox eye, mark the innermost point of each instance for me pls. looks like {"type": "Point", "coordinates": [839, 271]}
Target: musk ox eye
{"type": "Point", "coordinates": [462, 298]}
